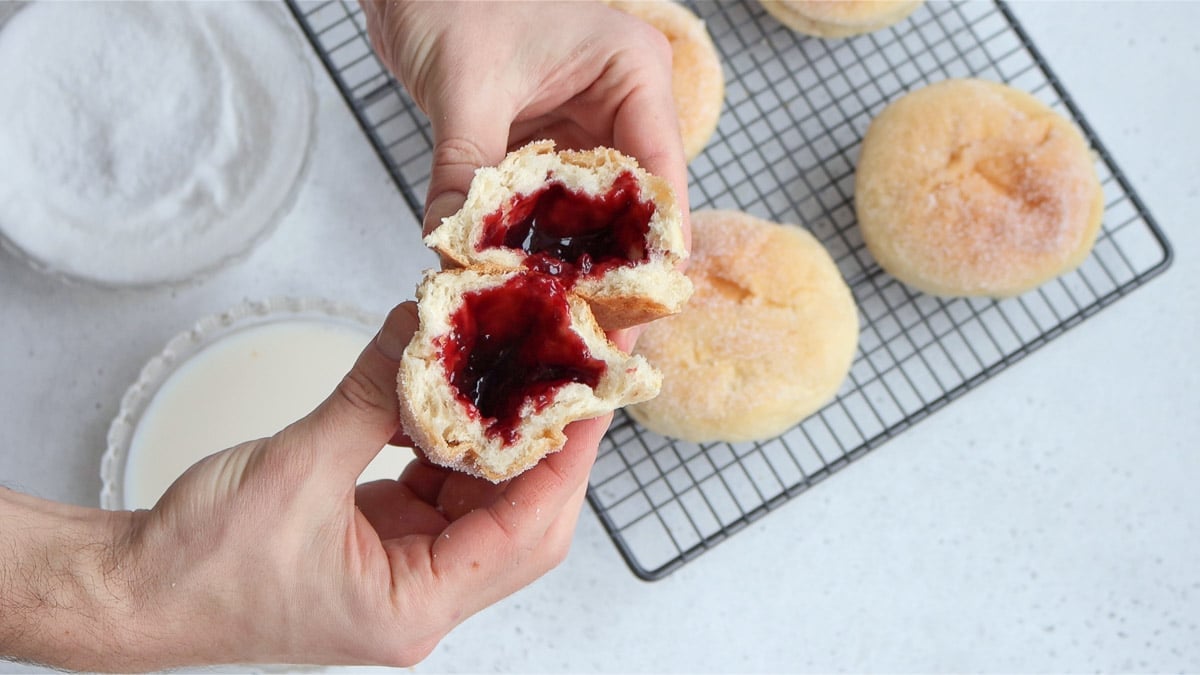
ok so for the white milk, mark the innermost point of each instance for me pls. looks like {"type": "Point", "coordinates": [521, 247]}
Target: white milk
{"type": "Point", "coordinates": [246, 385]}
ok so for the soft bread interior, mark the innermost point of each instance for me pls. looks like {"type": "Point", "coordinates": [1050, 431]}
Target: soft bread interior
{"type": "Point", "coordinates": [621, 296]}
{"type": "Point", "coordinates": [444, 426]}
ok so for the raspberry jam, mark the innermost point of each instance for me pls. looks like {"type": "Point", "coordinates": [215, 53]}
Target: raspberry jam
{"type": "Point", "coordinates": [513, 343]}
{"type": "Point", "coordinates": [570, 234]}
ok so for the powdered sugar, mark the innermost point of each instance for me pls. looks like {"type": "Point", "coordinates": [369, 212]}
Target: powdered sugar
{"type": "Point", "coordinates": [968, 187]}
{"type": "Point", "coordinates": [766, 339]}
{"type": "Point", "coordinates": [146, 142]}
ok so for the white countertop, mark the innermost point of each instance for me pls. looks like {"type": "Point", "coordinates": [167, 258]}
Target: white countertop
{"type": "Point", "coordinates": [1047, 521]}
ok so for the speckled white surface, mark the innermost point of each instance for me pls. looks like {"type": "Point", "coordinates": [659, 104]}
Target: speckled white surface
{"type": "Point", "coordinates": [1048, 521]}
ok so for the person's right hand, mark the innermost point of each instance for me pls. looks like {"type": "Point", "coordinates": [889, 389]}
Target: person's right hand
{"type": "Point", "coordinates": [493, 76]}
{"type": "Point", "coordinates": [269, 552]}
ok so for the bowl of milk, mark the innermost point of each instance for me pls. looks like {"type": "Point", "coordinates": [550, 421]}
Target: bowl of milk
{"type": "Point", "coordinates": [235, 376]}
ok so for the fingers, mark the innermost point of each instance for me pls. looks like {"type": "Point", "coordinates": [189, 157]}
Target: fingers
{"type": "Point", "coordinates": [373, 11]}
{"type": "Point", "coordinates": [489, 551]}
{"type": "Point", "coordinates": [551, 483]}
{"type": "Point", "coordinates": [424, 478]}
{"type": "Point", "coordinates": [462, 494]}
{"type": "Point", "coordinates": [548, 553]}
{"type": "Point", "coordinates": [645, 123]}
{"type": "Point", "coordinates": [467, 134]}
{"type": "Point", "coordinates": [557, 542]}
{"type": "Point", "coordinates": [350, 427]}
{"type": "Point", "coordinates": [647, 128]}
{"type": "Point", "coordinates": [566, 132]}
{"type": "Point", "coordinates": [394, 510]}
{"type": "Point", "coordinates": [626, 338]}
{"type": "Point", "coordinates": [506, 535]}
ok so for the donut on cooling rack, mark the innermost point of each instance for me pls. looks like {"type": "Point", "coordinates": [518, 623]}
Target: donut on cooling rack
{"type": "Point", "coordinates": [839, 18]}
{"type": "Point", "coordinates": [697, 82]}
{"type": "Point", "coordinates": [766, 340]}
{"type": "Point", "coordinates": [973, 188]}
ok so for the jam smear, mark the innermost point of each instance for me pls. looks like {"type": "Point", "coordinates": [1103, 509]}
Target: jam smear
{"type": "Point", "coordinates": [570, 234]}
{"type": "Point", "coordinates": [513, 343]}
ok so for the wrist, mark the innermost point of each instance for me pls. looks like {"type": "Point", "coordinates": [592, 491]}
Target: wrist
{"type": "Point", "coordinates": [66, 597]}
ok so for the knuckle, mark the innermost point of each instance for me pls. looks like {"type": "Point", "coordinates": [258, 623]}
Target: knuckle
{"type": "Point", "coordinates": [458, 153]}
{"type": "Point", "coordinates": [660, 46]}
{"type": "Point", "coordinates": [361, 393]}
{"type": "Point", "coordinates": [507, 528]}
{"type": "Point", "coordinates": [650, 44]}
{"type": "Point", "coordinates": [557, 553]}
{"type": "Point", "coordinates": [409, 655]}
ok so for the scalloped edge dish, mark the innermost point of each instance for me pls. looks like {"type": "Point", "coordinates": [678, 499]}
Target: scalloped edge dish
{"type": "Point", "coordinates": [183, 347]}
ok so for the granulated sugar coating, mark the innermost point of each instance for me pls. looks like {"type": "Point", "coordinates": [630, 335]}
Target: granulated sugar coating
{"type": "Point", "coordinates": [766, 340]}
{"type": "Point", "coordinates": [969, 188]}
{"type": "Point", "coordinates": [147, 142]}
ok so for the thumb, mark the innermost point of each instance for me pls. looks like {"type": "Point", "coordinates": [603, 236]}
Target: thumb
{"type": "Point", "coordinates": [468, 133]}
{"type": "Point", "coordinates": [351, 426]}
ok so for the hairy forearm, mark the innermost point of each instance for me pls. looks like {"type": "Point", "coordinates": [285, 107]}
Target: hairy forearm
{"type": "Point", "coordinates": [64, 598]}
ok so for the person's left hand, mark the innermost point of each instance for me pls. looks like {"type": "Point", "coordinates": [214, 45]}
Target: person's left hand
{"type": "Point", "coordinates": [493, 76]}
{"type": "Point", "coordinates": [268, 552]}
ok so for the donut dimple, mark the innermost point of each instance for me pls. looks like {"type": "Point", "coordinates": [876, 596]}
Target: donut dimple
{"type": "Point", "coordinates": [697, 81]}
{"type": "Point", "coordinates": [766, 340]}
{"type": "Point", "coordinates": [971, 188]}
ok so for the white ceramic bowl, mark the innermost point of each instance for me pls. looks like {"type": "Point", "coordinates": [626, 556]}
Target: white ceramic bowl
{"type": "Point", "coordinates": [184, 359]}
{"type": "Point", "coordinates": [198, 223]}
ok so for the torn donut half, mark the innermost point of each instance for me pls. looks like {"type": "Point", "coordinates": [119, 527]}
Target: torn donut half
{"type": "Point", "coordinates": [605, 228]}
{"type": "Point", "coordinates": [501, 362]}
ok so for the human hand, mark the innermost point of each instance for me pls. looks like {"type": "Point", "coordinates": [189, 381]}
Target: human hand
{"type": "Point", "coordinates": [267, 552]}
{"type": "Point", "coordinates": [493, 76]}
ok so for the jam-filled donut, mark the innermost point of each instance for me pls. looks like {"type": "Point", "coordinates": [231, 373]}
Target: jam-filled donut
{"type": "Point", "coordinates": [605, 228]}
{"type": "Point", "coordinates": [697, 81]}
{"type": "Point", "coordinates": [766, 340]}
{"type": "Point", "coordinates": [839, 18]}
{"type": "Point", "coordinates": [500, 363]}
{"type": "Point", "coordinates": [973, 188]}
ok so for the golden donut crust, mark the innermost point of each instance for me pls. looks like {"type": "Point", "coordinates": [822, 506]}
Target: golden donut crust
{"type": "Point", "coordinates": [839, 18]}
{"type": "Point", "coordinates": [766, 340]}
{"type": "Point", "coordinates": [697, 81]}
{"type": "Point", "coordinates": [972, 188]}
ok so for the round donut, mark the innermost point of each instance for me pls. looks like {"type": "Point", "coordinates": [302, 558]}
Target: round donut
{"type": "Point", "coordinates": [972, 188]}
{"type": "Point", "coordinates": [697, 81]}
{"type": "Point", "coordinates": [766, 340]}
{"type": "Point", "coordinates": [839, 18]}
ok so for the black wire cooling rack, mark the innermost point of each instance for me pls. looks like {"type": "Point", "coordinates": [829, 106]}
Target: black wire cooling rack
{"type": "Point", "coordinates": [785, 149]}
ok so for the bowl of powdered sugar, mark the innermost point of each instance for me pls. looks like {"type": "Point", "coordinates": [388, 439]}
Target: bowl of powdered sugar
{"type": "Point", "coordinates": [148, 143]}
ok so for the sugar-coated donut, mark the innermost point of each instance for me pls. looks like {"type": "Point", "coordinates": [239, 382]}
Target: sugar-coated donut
{"type": "Point", "coordinates": [766, 340]}
{"type": "Point", "coordinates": [839, 18]}
{"type": "Point", "coordinates": [697, 83]}
{"type": "Point", "coordinates": [501, 362]}
{"type": "Point", "coordinates": [973, 188]}
{"type": "Point", "coordinates": [605, 227]}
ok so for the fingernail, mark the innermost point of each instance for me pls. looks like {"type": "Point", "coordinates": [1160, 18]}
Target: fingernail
{"type": "Point", "coordinates": [442, 206]}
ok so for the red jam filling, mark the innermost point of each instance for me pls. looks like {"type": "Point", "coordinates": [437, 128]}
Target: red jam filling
{"type": "Point", "coordinates": [570, 234]}
{"type": "Point", "coordinates": [513, 343]}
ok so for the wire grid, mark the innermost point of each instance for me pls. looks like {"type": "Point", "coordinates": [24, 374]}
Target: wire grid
{"type": "Point", "coordinates": [796, 109]}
